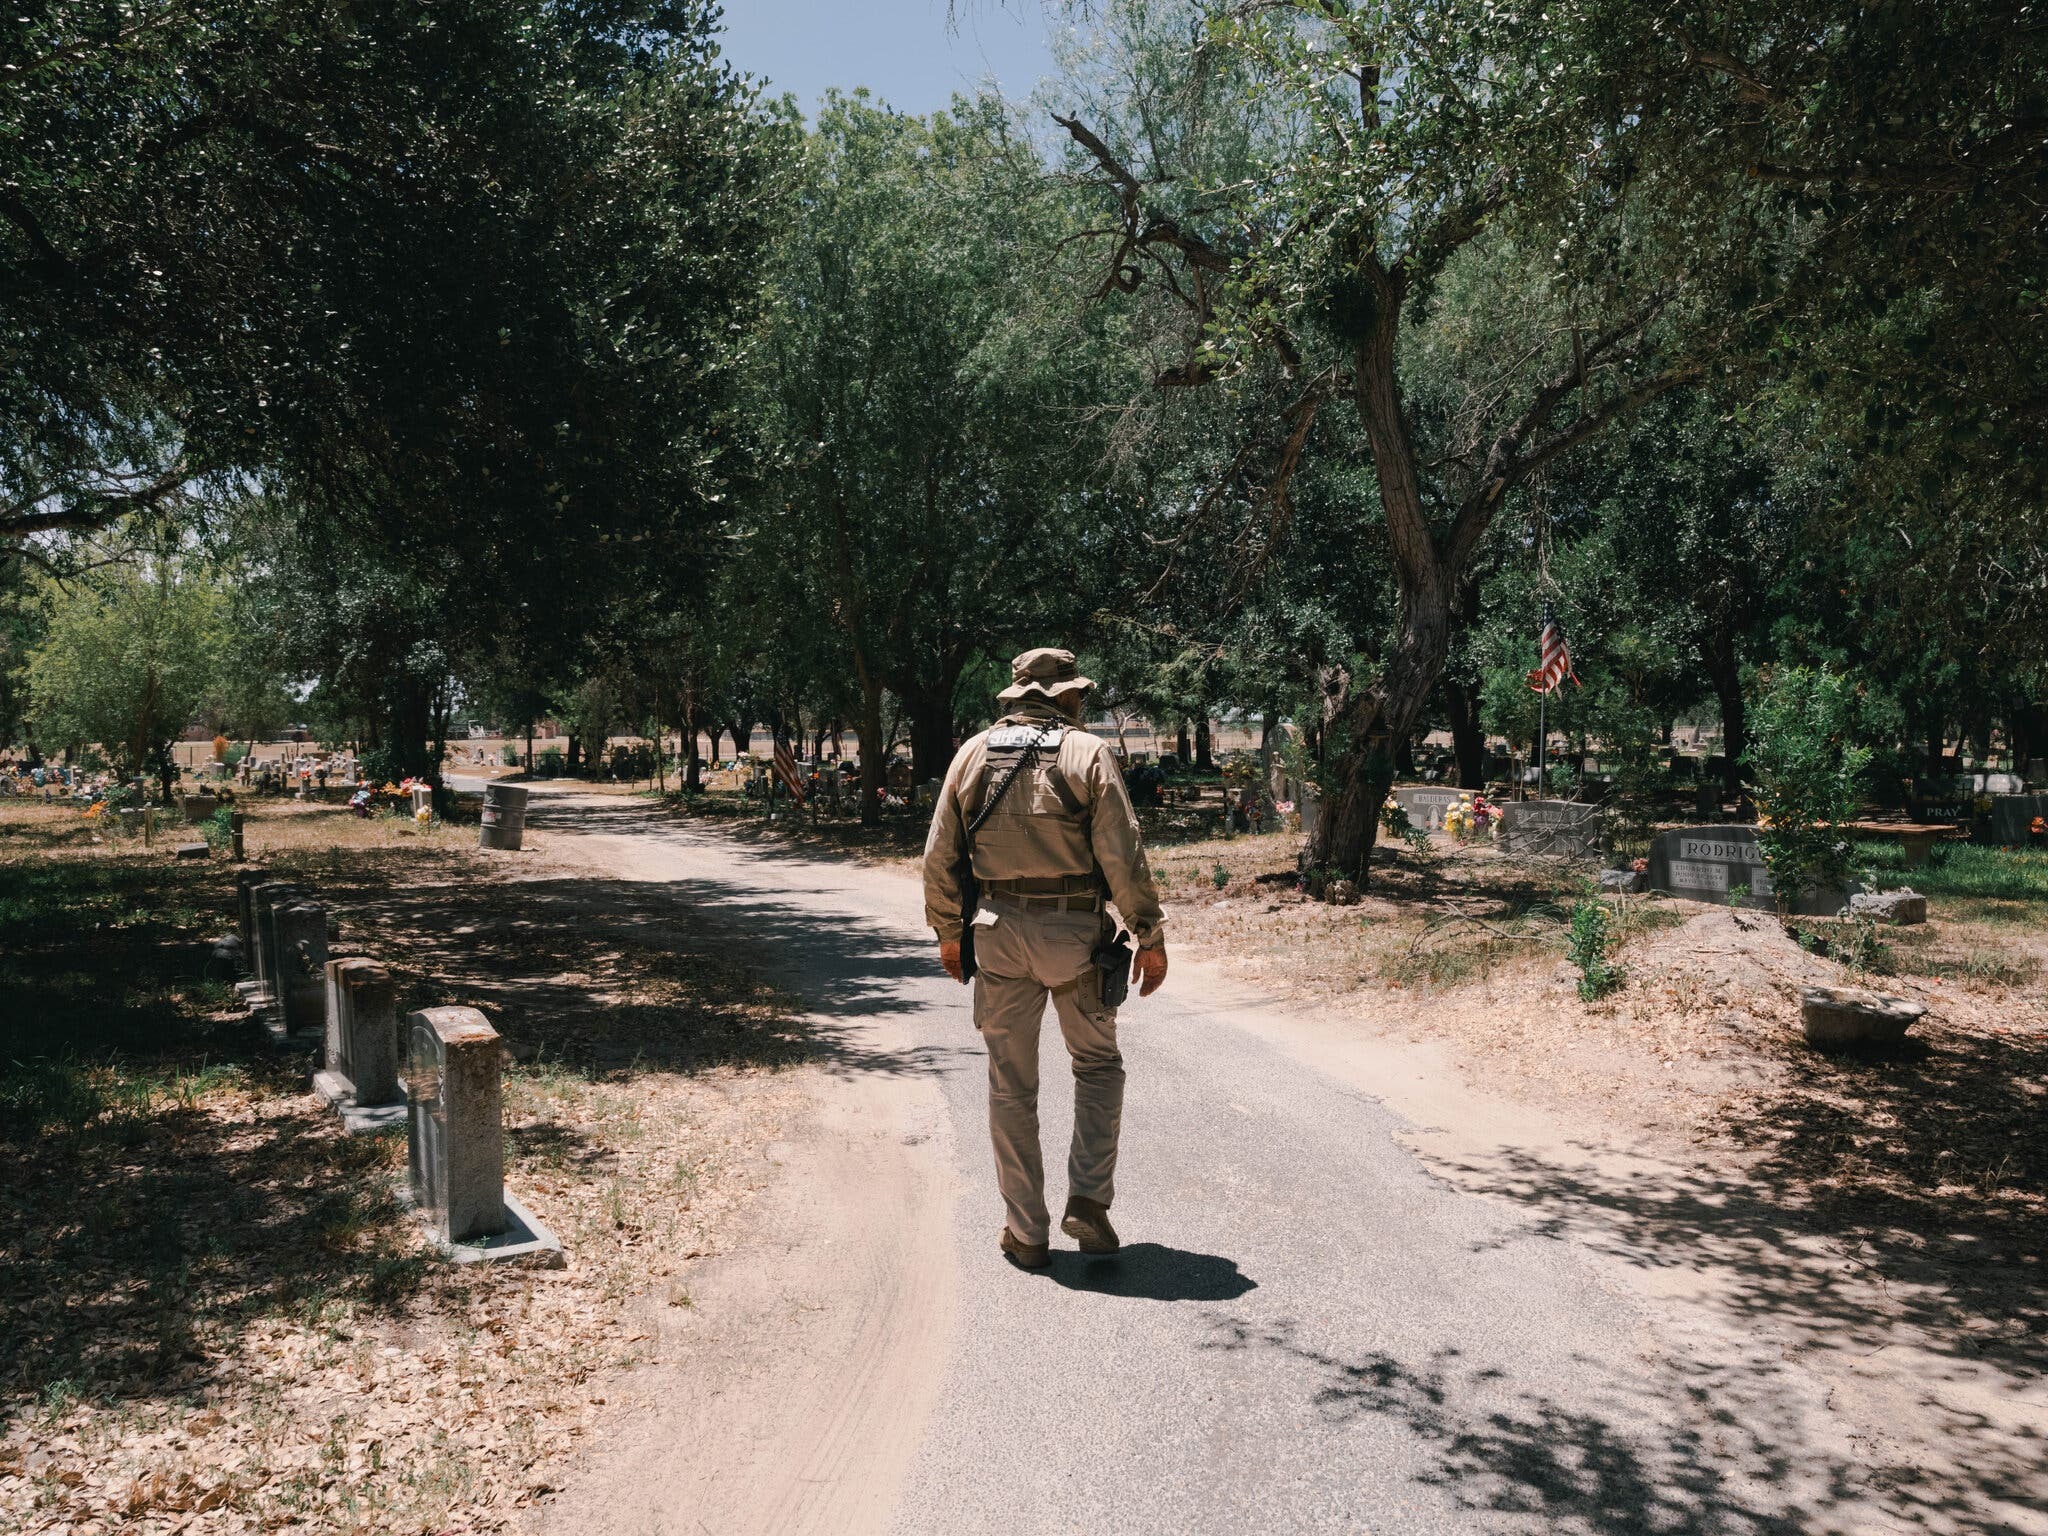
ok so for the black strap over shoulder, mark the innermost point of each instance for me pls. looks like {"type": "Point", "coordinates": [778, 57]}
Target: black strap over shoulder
{"type": "Point", "coordinates": [1024, 760]}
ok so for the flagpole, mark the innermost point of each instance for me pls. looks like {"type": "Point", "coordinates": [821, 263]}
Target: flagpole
{"type": "Point", "coordinates": [1542, 731]}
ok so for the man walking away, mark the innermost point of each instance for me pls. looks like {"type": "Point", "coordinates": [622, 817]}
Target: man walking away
{"type": "Point", "coordinates": [1033, 836]}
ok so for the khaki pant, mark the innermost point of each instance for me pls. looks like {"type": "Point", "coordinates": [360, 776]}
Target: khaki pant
{"type": "Point", "coordinates": [1023, 954]}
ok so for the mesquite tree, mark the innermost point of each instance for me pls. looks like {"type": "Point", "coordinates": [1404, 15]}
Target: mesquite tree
{"type": "Point", "coordinates": [1294, 182]}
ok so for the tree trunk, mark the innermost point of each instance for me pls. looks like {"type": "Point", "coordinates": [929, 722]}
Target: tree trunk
{"type": "Point", "coordinates": [1468, 738]}
{"type": "Point", "coordinates": [873, 746]}
{"type": "Point", "coordinates": [1404, 757]}
{"type": "Point", "coordinates": [930, 708]}
{"type": "Point", "coordinates": [1724, 670]}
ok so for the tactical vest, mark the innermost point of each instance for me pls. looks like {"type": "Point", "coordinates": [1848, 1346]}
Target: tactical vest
{"type": "Point", "coordinates": [1041, 789]}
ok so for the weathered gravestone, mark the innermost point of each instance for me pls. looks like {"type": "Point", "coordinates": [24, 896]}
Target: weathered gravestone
{"type": "Point", "coordinates": [361, 1072]}
{"type": "Point", "coordinates": [1709, 863]}
{"type": "Point", "coordinates": [200, 808]}
{"type": "Point", "coordinates": [456, 1139]}
{"type": "Point", "coordinates": [2011, 819]}
{"type": "Point", "coordinates": [1836, 1018]}
{"type": "Point", "coordinates": [302, 966]}
{"type": "Point", "coordinates": [1560, 828]}
{"type": "Point", "coordinates": [1426, 807]}
{"type": "Point", "coordinates": [264, 899]}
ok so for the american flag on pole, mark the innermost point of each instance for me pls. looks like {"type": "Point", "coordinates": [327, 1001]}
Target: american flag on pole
{"type": "Point", "coordinates": [1553, 658]}
{"type": "Point", "coordinates": [785, 770]}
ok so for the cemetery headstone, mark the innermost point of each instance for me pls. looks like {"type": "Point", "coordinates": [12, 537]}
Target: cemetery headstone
{"type": "Point", "coordinates": [2011, 819]}
{"type": "Point", "coordinates": [1425, 807]}
{"type": "Point", "coordinates": [504, 818]}
{"type": "Point", "coordinates": [302, 966]}
{"type": "Point", "coordinates": [246, 881]}
{"type": "Point", "coordinates": [362, 1078]}
{"type": "Point", "coordinates": [456, 1141]}
{"type": "Point", "coordinates": [235, 835]}
{"type": "Point", "coordinates": [455, 1123]}
{"type": "Point", "coordinates": [1711, 863]}
{"type": "Point", "coordinates": [1835, 1017]}
{"type": "Point", "coordinates": [1899, 908]}
{"type": "Point", "coordinates": [200, 808]}
{"type": "Point", "coordinates": [1558, 828]}
{"type": "Point", "coordinates": [264, 900]}
{"type": "Point", "coordinates": [191, 850]}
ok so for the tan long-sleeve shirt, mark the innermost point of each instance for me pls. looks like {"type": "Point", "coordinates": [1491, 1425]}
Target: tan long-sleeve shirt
{"type": "Point", "coordinates": [1034, 834]}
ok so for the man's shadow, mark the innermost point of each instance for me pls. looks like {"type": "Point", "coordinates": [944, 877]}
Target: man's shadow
{"type": "Point", "coordinates": [1152, 1272]}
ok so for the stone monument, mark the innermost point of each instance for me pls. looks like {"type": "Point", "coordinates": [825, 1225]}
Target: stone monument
{"type": "Point", "coordinates": [360, 1077]}
{"type": "Point", "coordinates": [456, 1140]}
{"type": "Point", "coordinates": [1560, 828]}
{"type": "Point", "coordinates": [301, 984]}
{"type": "Point", "coordinates": [1709, 863]}
{"type": "Point", "coordinates": [1426, 807]}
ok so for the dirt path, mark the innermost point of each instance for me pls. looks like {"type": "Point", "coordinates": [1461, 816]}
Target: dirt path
{"type": "Point", "coordinates": [1356, 1294]}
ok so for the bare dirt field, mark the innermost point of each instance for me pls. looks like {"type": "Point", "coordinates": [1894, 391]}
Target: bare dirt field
{"type": "Point", "coordinates": [214, 1316]}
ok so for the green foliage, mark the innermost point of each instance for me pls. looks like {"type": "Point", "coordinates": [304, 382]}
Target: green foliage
{"type": "Point", "coordinates": [510, 755]}
{"type": "Point", "coordinates": [1587, 949]}
{"type": "Point", "coordinates": [127, 655]}
{"type": "Point", "coordinates": [548, 763]}
{"type": "Point", "coordinates": [1808, 769]}
{"type": "Point", "coordinates": [1219, 877]}
{"type": "Point", "coordinates": [219, 829]}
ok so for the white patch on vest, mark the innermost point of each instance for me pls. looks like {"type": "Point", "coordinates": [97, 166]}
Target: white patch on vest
{"type": "Point", "coordinates": [1004, 738]}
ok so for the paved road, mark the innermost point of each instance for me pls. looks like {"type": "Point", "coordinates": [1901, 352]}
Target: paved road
{"type": "Point", "coordinates": [1306, 1331]}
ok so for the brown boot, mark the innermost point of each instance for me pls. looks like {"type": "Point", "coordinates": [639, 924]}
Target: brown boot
{"type": "Point", "coordinates": [1022, 1254]}
{"type": "Point", "coordinates": [1087, 1223]}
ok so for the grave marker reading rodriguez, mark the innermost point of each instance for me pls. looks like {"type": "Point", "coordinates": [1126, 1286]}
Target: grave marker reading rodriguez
{"type": "Point", "coordinates": [1564, 828]}
{"type": "Point", "coordinates": [1426, 807]}
{"type": "Point", "coordinates": [1707, 863]}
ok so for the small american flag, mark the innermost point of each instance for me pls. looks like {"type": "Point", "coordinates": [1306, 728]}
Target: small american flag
{"type": "Point", "coordinates": [785, 770]}
{"type": "Point", "coordinates": [1553, 658]}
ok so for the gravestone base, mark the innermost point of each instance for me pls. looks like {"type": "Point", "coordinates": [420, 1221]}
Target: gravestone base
{"type": "Point", "coordinates": [357, 1119]}
{"type": "Point", "coordinates": [1844, 1018]}
{"type": "Point", "coordinates": [525, 1236]}
{"type": "Point", "coordinates": [1899, 908]}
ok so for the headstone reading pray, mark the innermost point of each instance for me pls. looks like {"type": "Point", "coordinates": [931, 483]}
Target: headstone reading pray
{"type": "Point", "coordinates": [1561, 828]}
{"type": "Point", "coordinates": [1713, 863]}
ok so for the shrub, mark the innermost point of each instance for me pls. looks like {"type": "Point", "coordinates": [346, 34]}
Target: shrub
{"type": "Point", "coordinates": [1808, 768]}
{"type": "Point", "coordinates": [511, 755]}
{"type": "Point", "coordinates": [549, 762]}
{"type": "Point", "coordinates": [1587, 949]}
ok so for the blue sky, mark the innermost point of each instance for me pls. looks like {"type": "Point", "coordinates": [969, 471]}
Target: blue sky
{"type": "Point", "coordinates": [902, 50]}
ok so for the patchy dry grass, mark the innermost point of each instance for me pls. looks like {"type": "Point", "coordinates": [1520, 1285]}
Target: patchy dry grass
{"type": "Point", "coordinates": [213, 1314]}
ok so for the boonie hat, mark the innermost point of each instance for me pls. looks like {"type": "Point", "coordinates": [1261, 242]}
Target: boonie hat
{"type": "Point", "coordinates": [1045, 671]}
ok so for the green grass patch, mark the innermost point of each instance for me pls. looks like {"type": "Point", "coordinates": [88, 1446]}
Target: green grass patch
{"type": "Point", "coordinates": [1961, 870]}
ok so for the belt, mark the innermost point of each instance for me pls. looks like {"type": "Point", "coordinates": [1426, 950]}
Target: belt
{"type": "Point", "coordinates": [1048, 885]}
{"type": "Point", "coordinates": [1088, 902]}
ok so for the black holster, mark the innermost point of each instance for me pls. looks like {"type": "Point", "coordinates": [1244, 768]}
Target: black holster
{"type": "Point", "coordinates": [1112, 959]}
